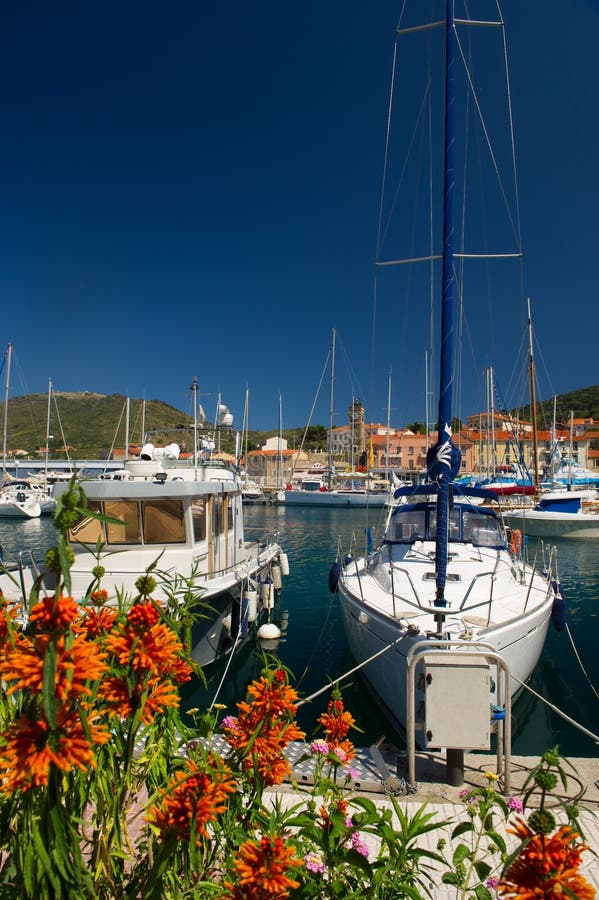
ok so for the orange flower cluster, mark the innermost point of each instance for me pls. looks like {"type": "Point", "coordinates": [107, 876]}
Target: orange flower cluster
{"type": "Point", "coordinates": [77, 661]}
{"type": "Point", "coordinates": [147, 644]}
{"type": "Point", "coordinates": [546, 867]}
{"type": "Point", "coordinates": [8, 618]}
{"type": "Point", "coordinates": [194, 798]}
{"type": "Point", "coordinates": [262, 869]}
{"type": "Point", "coordinates": [265, 726]}
{"type": "Point", "coordinates": [149, 647]}
{"type": "Point", "coordinates": [30, 749]}
{"type": "Point", "coordinates": [54, 614]}
{"type": "Point", "coordinates": [336, 722]}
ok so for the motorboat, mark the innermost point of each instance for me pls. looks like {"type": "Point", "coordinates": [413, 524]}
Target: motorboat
{"type": "Point", "coordinates": [183, 521]}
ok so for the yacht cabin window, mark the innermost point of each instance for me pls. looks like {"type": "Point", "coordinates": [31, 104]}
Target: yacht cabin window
{"type": "Point", "coordinates": [198, 512]}
{"type": "Point", "coordinates": [465, 524]}
{"type": "Point", "coordinates": [149, 522]}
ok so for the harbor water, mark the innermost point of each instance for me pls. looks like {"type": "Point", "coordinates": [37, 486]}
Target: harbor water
{"type": "Point", "coordinates": [313, 646]}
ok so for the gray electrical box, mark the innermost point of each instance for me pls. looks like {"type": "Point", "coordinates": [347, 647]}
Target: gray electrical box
{"type": "Point", "coordinates": [457, 701]}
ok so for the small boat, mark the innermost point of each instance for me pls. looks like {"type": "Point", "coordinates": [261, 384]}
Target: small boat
{"type": "Point", "coordinates": [556, 515]}
{"type": "Point", "coordinates": [18, 500]}
{"type": "Point", "coordinates": [183, 520]}
{"type": "Point", "coordinates": [445, 581]}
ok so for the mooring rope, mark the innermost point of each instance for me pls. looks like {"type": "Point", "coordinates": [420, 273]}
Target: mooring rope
{"type": "Point", "coordinates": [556, 709]}
{"type": "Point", "coordinates": [361, 665]}
{"type": "Point", "coordinates": [584, 671]}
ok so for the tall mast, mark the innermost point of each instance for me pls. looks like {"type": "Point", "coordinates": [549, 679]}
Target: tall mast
{"type": "Point", "coordinates": [48, 425]}
{"type": "Point", "coordinates": [388, 427]}
{"type": "Point", "coordinates": [194, 394]}
{"type": "Point", "coordinates": [332, 390]}
{"type": "Point", "coordinates": [533, 402]}
{"type": "Point", "coordinates": [6, 388]}
{"type": "Point", "coordinates": [443, 454]}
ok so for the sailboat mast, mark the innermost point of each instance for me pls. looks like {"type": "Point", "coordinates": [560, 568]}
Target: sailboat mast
{"type": "Point", "coordinates": [388, 427]}
{"type": "Point", "coordinates": [332, 390]}
{"type": "Point", "coordinates": [533, 401]}
{"type": "Point", "coordinates": [6, 389]}
{"type": "Point", "coordinates": [48, 427]}
{"type": "Point", "coordinates": [444, 449]}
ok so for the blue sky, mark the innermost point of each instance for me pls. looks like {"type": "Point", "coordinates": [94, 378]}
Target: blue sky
{"type": "Point", "coordinates": [193, 189]}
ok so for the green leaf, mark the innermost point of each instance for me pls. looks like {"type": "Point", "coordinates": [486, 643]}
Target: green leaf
{"type": "Point", "coordinates": [49, 684]}
{"type": "Point", "coordinates": [460, 853]}
{"type": "Point", "coordinates": [462, 828]}
{"type": "Point", "coordinates": [482, 893]}
{"type": "Point", "coordinates": [483, 869]}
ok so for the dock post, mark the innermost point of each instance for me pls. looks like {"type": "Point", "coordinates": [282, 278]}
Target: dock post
{"type": "Point", "coordinates": [455, 767]}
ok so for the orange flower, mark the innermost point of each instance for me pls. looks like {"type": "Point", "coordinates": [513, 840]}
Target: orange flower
{"type": "Point", "coordinates": [122, 702]}
{"type": "Point", "coordinates": [154, 650]}
{"type": "Point", "coordinates": [54, 613]}
{"type": "Point", "coordinates": [546, 867]}
{"type": "Point", "coordinates": [31, 748]}
{"type": "Point", "coordinates": [336, 722]}
{"type": "Point", "coordinates": [262, 870]}
{"type": "Point", "coordinates": [265, 727]}
{"type": "Point", "coordinates": [142, 616]}
{"type": "Point", "coordinates": [76, 664]}
{"type": "Point", "coordinates": [8, 617]}
{"type": "Point", "coordinates": [98, 622]}
{"type": "Point", "coordinates": [193, 798]}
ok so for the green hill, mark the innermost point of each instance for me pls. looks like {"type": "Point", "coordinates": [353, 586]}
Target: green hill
{"type": "Point", "coordinates": [584, 403]}
{"type": "Point", "coordinates": [90, 424]}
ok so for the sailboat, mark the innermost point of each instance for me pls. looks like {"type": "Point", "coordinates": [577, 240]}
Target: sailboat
{"type": "Point", "coordinates": [444, 580]}
{"type": "Point", "coordinates": [558, 513]}
{"type": "Point", "coordinates": [322, 488]}
{"type": "Point", "coordinates": [17, 500]}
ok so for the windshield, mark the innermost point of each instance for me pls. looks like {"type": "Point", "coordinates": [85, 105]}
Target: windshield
{"type": "Point", "coordinates": [466, 523]}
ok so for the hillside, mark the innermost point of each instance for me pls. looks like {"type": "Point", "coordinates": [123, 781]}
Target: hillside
{"type": "Point", "coordinates": [90, 424]}
{"type": "Point", "coordinates": [584, 403]}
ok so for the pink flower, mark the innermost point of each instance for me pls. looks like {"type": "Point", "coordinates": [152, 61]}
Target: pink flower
{"type": "Point", "coordinates": [319, 747]}
{"type": "Point", "coordinates": [492, 883]}
{"type": "Point", "coordinates": [358, 844]}
{"type": "Point", "coordinates": [352, 773]}
{"type": "Point", "coordinates": [515, 804]}
{"type": "Point", "coordinates": [230, 722]}
{"type": "Point", "coordinates": [340, 754]}
{"type": "Point", "coordinates": [314, 863]}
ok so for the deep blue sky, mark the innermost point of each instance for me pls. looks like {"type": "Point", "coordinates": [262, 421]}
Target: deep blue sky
{"type": "Point", "coordinates": [192, 189]}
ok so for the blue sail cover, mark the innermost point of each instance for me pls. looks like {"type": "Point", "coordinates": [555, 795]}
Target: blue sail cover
{"type": "Point", "coordinates": [443, 451]}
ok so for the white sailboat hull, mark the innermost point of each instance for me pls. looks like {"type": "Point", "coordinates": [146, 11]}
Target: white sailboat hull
{"type": "Point", "coordinates": [337, 499]}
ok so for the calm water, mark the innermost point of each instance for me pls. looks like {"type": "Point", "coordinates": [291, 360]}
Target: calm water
{"type": "Point", "coordinates": [313, 643]}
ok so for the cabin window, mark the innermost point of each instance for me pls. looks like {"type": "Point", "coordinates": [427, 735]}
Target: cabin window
{"type": "Point", "coordinates": [454, 525]}
{"type": "Point", "coordinates": [163, 521]}
{"type": "Point", "coordinates": [408, 526]}
{"type": "Point", "coordinates": [217, 515]}
{"type": "Point", "coordinates": [127, 511]}
{"type": "Point", "coordinates": [198, 511]}
{"type": "Point", "coordinates": [481, 530]}
{"type": "Point", "coordinates": [230, 515]}
{"type": "Point", "coordinates": [88, 530]}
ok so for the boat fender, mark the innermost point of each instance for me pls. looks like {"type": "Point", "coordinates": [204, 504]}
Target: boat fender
{"type": "Point", "coordinates": [334, 573]}
{"type": "Point", "coordinates": [497, 713]}
{"type": "Point", "coordinates": [245, 608]}
{"type": "Point", "coordinates": [275, 571]}
{"type": "Point", "coordinates": [235, 617]}
{"type": "Point", "coordinates": [516, 542]}
{"type": "Point", "coordinates": [269, 631]}
{"type": "Point", "coordinates": [268, 594]}
{"type": "Point", "coordinates": [251, 597]}
{"type": "Point", "coordinates": [347, 559]}
{"type": "Point", "coordinates": [558, 611]}
{"type": "Point", "coordinates": [284, 562]}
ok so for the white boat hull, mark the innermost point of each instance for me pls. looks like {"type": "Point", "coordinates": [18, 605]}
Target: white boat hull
{"type": "Point", "coordinates": [368, 633]}
{"type": "Point", "coordinates": [337, 499]}
{"type": "Point", "coordinates": [556, 525]}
